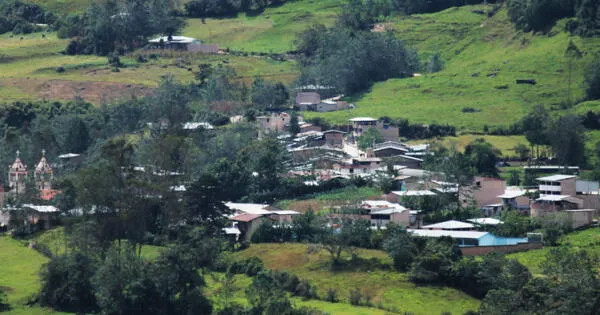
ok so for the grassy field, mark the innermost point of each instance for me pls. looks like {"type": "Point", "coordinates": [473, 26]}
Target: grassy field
{"type": "Point", "coordinates": [587, 239]}
{"type": "Point", "coordinates": [388, 288]}
{"type": "Point", "coordinates": [274, 30]}
{"type": "Point", "coordinates": [19, 276]}
{"type": "Point", "coordinates": [483, 58]}
{"type": "Point", "coordinates": [503, 143]}
{"type": "Point", "coordinates": [243, 281]}
{"type": "Point", "coordinates": [28, 71]}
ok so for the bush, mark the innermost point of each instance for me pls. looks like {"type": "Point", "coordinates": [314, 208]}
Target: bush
{"type": "Point", "coordinates": [251, 266]}
{"type": "Point", "coordinates": [331, 295]}
{"type": "Point", "coordinates": [66, 284]}
{"type": "Point", "coordinates": [60, 69]}
{"type": "Point", "coordinates": [355, 296]}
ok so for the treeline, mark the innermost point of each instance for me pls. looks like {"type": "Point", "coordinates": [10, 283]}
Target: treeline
{"type": "Point", "coordinates": [540, 15]}
{"type": "Point", "coordinates": [118, 26]}
{"type": "Point", "coordinates": [23, 17]}
{"type": "Point", "coordinates": [221, 8]}
{"type": "Point", "coordinates": [352, 61]}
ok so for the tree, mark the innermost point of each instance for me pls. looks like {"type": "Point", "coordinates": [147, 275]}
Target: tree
{"type": "Point", "coordinates": [265, 295]}
{"type": "Point", "coordinates": [67, 285]}
{"type": "Point", "coordinates": [572, 53]}
{"type": "Point", "coordinates": [554, 226]}
{"type": "Point", "coordinates": [568, 140]}
{"type": "Point", "coordinates": [400, 247]}
{"type": "Point", "coordinates": [435, 63]}
{"type": "Point", "coordinates": [339, 238]}
{"type": "Point", "coordinates": [294, 125]}
{"type": "Point", "coordinates": [522, 151]}
{"type": "Point", "coordinates": [368, 138]}
{"type": "Point", "coordinates": [515, 178]}
{"type": "Point", "coordinates": [268, 95]}
{"type": "Point", "coordinates": [588, 15]}
{"type": "Point", "coordinates": [592, 80]}
{"type": "Point", "coordinates": [535, 126]}
{"type": "Point", "coordinates": [483, 156]}
{"type": "Point", "coordinates": [434, 263]}
{"type": "Point", "coordinates": [204, 202]}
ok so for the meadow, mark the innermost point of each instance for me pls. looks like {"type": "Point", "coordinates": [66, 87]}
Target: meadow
{"type": "Point", "coordinates": [483, 59]}
{"type": "Point", "coordinates": [588, 240]}
{"type": "Point", "coordinates": [388, 288]}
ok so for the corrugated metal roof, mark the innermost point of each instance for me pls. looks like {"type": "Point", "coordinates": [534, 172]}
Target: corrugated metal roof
{"type": "Point", "coordinates": [453, 234]}
{"type": "Point", "coordinates": [246, 217]}
{"type": "Point", "coordinates": [450, 225]}
{"type": "Point", "coordinates": [555, 178]}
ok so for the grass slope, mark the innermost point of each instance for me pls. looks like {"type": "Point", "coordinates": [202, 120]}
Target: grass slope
{"type": "Point", "coordinates": [483, 58]}
{"type": "Point", "coordinates": [388, 288]}
{"type": "Point", "coordinates": [28, 71]}
{"type": "Point", "coordinates": [274, 30]}
{"type": "Point", "coordinates": [19, 276]}
{"type": "Point", "coordinates": [588, 240]}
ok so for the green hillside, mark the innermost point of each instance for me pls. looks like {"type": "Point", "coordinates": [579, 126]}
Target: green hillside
{"type": "Point", "coordinates": [483, 58]}
{"type": "Point", "coordinates": [388, 288]}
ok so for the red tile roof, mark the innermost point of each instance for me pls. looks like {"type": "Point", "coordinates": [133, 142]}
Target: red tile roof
{"type": "Point", "coordinates": [246, 217]}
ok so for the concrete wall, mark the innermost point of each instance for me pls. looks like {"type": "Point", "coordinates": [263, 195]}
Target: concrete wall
{"type": "Point", "coordinates": [402, 218]}
{"type": "Point", "coordinates": [580, 218]}
{"type": "Point", "coordinates": [590, 201]}
{"type": "Point", "coordinates": [487, 191]}
{"type": "Point", "coordinates": [506, 249]}
{"type": "Point", "coordinates": [568, 187]}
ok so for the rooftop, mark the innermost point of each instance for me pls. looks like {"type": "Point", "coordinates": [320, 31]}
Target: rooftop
{"type": "Point", "coordinates": [450, 225]}
{"type": "Point", "coordinates": [510, 194]}
{"type": "Point", "coordinates": [357, 119]}
{"type": "Point", "coordinates": [553, 197]}
{"type": "Point", "coordinates": [174, 39]}
{"type": "Point", "coordinates": [249, 208]}
{"type": "Point", "coordinates": [42, 209]}
{"type": "Point", "coordinates": [388, 211]}
{"type": "Point", "coordinates": [486, 221]}
{"type": "Point", "coordinates": [246, 217]}
{"type": "Point", "coordinates": [414, 193]}
{"type": "Point", "coordinates": [555, 178]}
{"type": "Point", "coordinates": [453, 234]}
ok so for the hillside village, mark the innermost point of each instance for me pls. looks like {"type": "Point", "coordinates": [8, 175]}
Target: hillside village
{"type": "Point", "coordinates": [299, 157]}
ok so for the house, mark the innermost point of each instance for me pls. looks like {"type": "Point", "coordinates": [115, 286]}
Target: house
{"type": "Point", "coordinates": [565, 192]}
{"type": "Point", "coordinates": [390, 149]}
{"type": "Point", "coordinates": [486, 221]}
{"type": "Point", "coordinates": [247, 224]}
{"type": "Point", "coordinates": [34, 217]}
{"type": "Point", "coordinates": [515, 199]}
{"type": "Point", "coordinates": [451, 225]}
{"type": "Point", "coordinates": [358, 166]}
{"type": "Point", "coordinates": [484, 191]}
{"type": "Point", "coordinates": [361, 124]}
{"type": "Point", "coordinates": [382, 217]}
{"type": "Point", "coordinates": [198, 125]}
{"type": "Point", "coordinates": [334, 138]}
{"type": "Point", "coordinates": [552, 203]}
{"type": "Point", "coordinates": [409, 161]}
{"type": "Point", "coordinates": [470, 238]}
{"type": "Point", "coordinates": [307, 100]}
{"type": "Point", "coordinates": [388, 131]}
{"type": "Point", "coordinates": [327, 106]}
{"type": "Point", "coordinates": [306, 127]}
{"type": "Point", "coordinates": [249, 208]}
{"type": "Point", "coordinates": [274, 123]}
{"type": "Point", "coordinates": [182, 43]}
{"type": "Point", "coordinates": [581, 217]}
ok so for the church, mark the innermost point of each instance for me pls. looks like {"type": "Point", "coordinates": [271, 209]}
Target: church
{"type": "Point", "coordinates": [43, 174]}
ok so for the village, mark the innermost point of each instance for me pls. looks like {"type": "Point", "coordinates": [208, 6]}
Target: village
{"type": "Point", "coordinates": [318, 156]}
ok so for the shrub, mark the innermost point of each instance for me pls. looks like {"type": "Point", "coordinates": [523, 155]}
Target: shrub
{"type": "Point", "coordinates": [355, 296]}
{"type": "Point", "coordinates": [60, 69]}
{"type": "Point", "coordinates": [331, 295]}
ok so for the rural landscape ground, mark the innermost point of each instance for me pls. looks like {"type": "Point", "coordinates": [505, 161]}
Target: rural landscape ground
{"type": "Point", "coordinates": [483, 57]}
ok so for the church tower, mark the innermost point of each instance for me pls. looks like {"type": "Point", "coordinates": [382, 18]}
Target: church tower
{"type": "Point", "coordinates": [17, 176]}
{"type": "Point", "coordinates": [43, 174]}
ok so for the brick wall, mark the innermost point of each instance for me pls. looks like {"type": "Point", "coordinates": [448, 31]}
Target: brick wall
{"type": "Point", "coordinates": [506, 249]}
